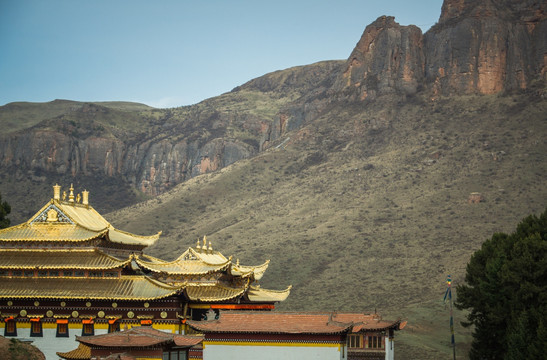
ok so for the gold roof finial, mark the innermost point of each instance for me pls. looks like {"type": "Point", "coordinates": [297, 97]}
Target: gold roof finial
{"type": "Point", "coordinates": [71, 195]}
{"type": "Point", "coordinates": [210, 247]}
{"type": "Point", "coordinates": [85, 197]}
{"type": "Point", "coordinates": [64, 195]}
{"type": "Point", "coordinates": [78, 198]}
{"type": "Point", "coordinates": [237, 262]}
{"type": "Point", "coordinates": [205, 242]}
{"type": "Point", "coordinates": [197, 245]}
{"type": "Point", "coordinates": [57, 192]}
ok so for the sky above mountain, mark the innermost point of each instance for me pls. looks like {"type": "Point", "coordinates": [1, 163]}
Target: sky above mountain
{"type": "Point", "coordinates": [171, 53]}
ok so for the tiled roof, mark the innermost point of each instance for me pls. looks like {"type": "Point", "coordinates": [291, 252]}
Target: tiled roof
{"type": "Point", "coordinates": [212, 292]}
{"type": "Point", "coordinates": [179, 266]}
{"type": "Point", "coordinates": [138, 337]}
{"type": "Point", "coordinates": [211, 257]}
{"type": "Point", "coordinates": [49, 232]}
{"type": "Point", "coordinates": [366, 322]}
{"type": "Point", "coordinates": [125, 288]}
{"type": "Point", "coordinates": [244, 270]}
{"type": "Point", "coordinates": [82, 352]}
{"type": "Point", "coordinates": [258, 294]}
{"type": "Point", "coordinates": [91, 259]}
{"type": "Point", "coordinates": [71, 222]}
{"type": "Point", "coordinates": [271, 322]}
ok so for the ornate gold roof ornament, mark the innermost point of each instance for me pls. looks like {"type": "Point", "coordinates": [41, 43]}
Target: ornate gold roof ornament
{"type": "Point", "coordinates": [85, 197]}
{"type": "Point", "coordinates": [210, 247]}
{"type": "Point", "coordinates": [64, 195]}
{"type": "Point", "coordinates": [52, 215]}
{"type": "Point", "coordinates": [57, 192]}
{"type": "Point", "coordinates": [198, 247]}
{"type": "Point", "coordinates": [78, 198]}
{"type": "Point", "coordinates": [204, 243]}
{"type": "Point", "coordinates": [237, 262]}
{"type": "Point", "coordinates": [71, 195]}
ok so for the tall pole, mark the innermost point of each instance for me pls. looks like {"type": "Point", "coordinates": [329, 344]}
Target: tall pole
{"type": "Point", "coordinates": [448, 295]}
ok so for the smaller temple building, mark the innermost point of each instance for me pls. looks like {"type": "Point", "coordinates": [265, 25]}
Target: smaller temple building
{"type": "Point", "coordinates": [136, 343]}
{"type": "Point", "coordinates": [254, 335]}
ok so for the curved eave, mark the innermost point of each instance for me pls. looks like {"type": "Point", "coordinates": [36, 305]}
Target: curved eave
{"type": "Point", "coordinates": [177, 267]}
{"type": "Point", "coordinates": [123, 237]}
{"type": "Point", "coordinates": [395, 325]}
{"type": "Point", "coordinates": [82, 352]}
{"type": "Point", "coordinates": [257, 294]}
{"type": "Point", "coordinates": [212, 293]}
{"type": "Point", "coordinates": [126, 288]}
{"type": "Point", "coordinates": [31, 259]}
{"type": "Point", "coordinates": [247, 271]}
{"type": "Point", "coordinates": [43, 232]}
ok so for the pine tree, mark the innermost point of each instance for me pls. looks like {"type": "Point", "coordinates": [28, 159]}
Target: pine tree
{"type": "Point", "coordinates": [505, 292]}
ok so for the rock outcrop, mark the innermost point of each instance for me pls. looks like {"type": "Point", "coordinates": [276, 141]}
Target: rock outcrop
{"type": "Point", "coordinates": [486, 46]}
{"type": "Point", "coordinates": [477, 47]}
{"type": "Point", "coordinates": [387, 59]}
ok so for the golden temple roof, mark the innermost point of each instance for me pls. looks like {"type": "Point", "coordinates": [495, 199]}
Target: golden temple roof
{"type": "Point", "coordinates": [179, 266]}
{"type": "Point", "coordinates": [199, 261]}
{"type": "Point", "coordinates": [78, 259]}
{"type": "Point", "coordinates": [61, 220]}
{"type": "Point", "coordinates": [212, 292]}
{"type": "Point", "coordinates": [258, 294]}
{"type": "Point", "coordinates": [244, 270]}
{"type": "Point", "coordinates": [125, 288]}
{"type": "Point", "coordinates": [82, 352]}
{"type": "Point", "coordinates": [48, 232]}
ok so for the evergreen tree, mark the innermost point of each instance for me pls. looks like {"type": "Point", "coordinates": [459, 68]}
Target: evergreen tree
{"type": "Point", "coordinates": [5, 209]}
{"type": "Point", "coordinates": [505, 292]}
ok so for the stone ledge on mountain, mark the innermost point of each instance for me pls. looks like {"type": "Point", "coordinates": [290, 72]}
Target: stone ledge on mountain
{"type": "Point", "coordinates": [387, 59]}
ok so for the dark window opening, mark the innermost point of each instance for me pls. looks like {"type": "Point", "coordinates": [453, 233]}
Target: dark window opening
{"type": "Point", "coordinates": [36, 328]}
{"type": "Point", "coordinates": [11, 328]}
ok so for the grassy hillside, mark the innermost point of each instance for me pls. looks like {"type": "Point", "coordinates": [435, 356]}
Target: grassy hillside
{"type": "Point", "coordinates": [366, 208]}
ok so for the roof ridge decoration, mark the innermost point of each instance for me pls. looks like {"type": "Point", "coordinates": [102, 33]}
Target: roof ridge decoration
{"type": "Point", "coordinates": [51, 214]}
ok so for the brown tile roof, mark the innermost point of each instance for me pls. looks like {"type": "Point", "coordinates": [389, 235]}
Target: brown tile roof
{"type": "Point", "coordinates": [366, 322]}
{"type": "Point", "coordinates": [138, 337]}
{"type": "Point", "coordinates": [82, 352]}
{"type": "Point", "coordinates": [272, 322]}
{"type": "Point", "coordinates": [91, 259]}
{"type": "Point", "coordinates": [125, 288]}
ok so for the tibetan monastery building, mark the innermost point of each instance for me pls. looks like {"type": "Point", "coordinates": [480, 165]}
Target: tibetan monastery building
{"type": "Point", "coordinates": [67, 271]}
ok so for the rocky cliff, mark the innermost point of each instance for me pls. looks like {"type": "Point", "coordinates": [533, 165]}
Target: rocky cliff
{"type": "Point", "coordinates": [477, 47]}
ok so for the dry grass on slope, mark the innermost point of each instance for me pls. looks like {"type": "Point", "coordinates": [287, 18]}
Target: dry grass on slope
{"type": "Point", "coordinates": [366, 208]}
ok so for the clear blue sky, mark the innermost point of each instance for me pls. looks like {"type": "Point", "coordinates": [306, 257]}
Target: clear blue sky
{"type": "Point", "coordinates": [170, 53]}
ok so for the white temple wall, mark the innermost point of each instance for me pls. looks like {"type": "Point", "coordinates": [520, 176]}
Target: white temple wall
{"type": "Point", "coordinates": [275, 352]}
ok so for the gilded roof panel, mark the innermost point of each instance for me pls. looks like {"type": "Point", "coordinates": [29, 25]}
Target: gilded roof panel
{"type": "Point", "coordinates": [181, 267]}
{"type": "Point", "coordinates": [84, 215]}
{"type": "Point", "coordinates": [125, 288]}
{"type": "Point", "coordinates": [210, 257]}
{"type": "Point", "coordinates": [259, 294]}
{"type": "Point", "coordinates": [89, 259]}
{"type": "Point", "coordinates": [82, 352]}
{"type": "Point", "coordinates": [244, 270]}
{"type": "Point", "coordinates": [212, 293]}
{"type": "Point", "coordinates": [48, 232]}
{"type": "Point", "coordinates": [123, 237]}
{"type": "Point", "coordinates": [66, 221]}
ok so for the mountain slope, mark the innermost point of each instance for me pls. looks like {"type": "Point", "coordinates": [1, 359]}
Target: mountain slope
{"type": "Point", "coordinates": [357, 214]}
